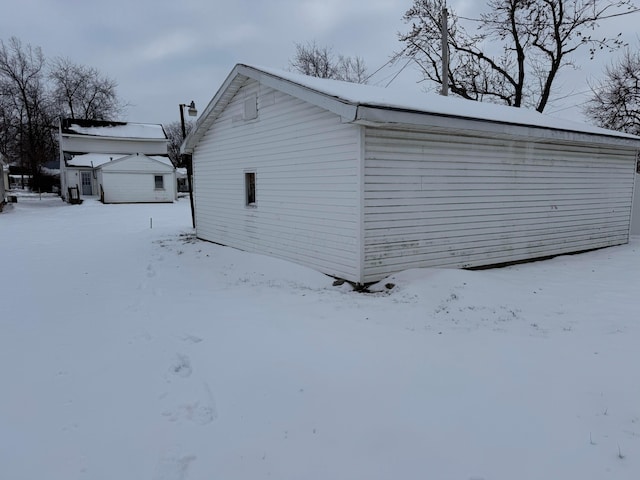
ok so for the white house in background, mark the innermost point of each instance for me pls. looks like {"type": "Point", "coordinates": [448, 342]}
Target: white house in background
{"type": "Point", "coordinates": [133, 178]}
{"type": "Point", "coordinates": [117, 161]}
{"type": "Point", "coordinates": [360, 182]}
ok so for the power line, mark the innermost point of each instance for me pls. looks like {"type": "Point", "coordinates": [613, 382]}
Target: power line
{"type": "Point", "coordinates": [399, 72]}
{"type": "Point", "coordinates": [480, 20]}
{"type": "Point", "coordinates": [574, 94]}
{"type": "Point", "coordinates": [392, 74]}
{"type": "Point", "coordinates": [384, 65]}
{"type": "Point", "coordinates": [620, 14]}
{"type": "Point", "coordinates": [567, 108]}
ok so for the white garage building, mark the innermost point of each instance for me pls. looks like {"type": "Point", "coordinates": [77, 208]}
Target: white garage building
{"type": "Point", "coordinates": [360, 182]}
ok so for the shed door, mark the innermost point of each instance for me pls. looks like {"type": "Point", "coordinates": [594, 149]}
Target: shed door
{"type": "Point", "coordinates": [86, 183]}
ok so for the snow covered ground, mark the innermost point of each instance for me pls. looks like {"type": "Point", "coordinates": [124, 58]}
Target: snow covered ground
{"type": "Point", "coordinates": [131, 352]}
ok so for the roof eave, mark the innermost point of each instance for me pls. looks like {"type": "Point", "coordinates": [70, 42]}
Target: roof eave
{"type": "Point", "coordinates": [213, 109]}
{"type": "Point", "coordinates": [124, 158]}
{"type": "Point", "coordinates": [377, 116]}
{"type": "Point", "coordinates": [105, 137]}
{"type": "Point", "coordinates": [234, 81]}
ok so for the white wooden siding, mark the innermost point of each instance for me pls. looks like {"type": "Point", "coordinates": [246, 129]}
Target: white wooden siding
{"type": "Point", "coordinates": [454, 201]}
{"type": "Point", "coordinates": [132, 180]}
{"type": "Point", "coordinates": [136, 187]}
{"type": "Point", "coordinates": [73, 178]}
{"type": "Point", "coordinates": [635, 216]}
{"type": "Point", "coordinates": [307, 184]}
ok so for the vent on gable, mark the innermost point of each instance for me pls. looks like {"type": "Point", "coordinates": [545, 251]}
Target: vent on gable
{"type": "Point", "coordinates": [250, 108]}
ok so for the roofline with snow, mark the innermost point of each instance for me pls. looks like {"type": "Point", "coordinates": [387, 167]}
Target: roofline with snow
{"type": "Point", "coordinates": [120, 139]}
{"type": "Point", "coordinates": [368, 114]}
{"type": "Point", "coordinates": [126, 157]}
{"type": "Point", "coordinates": [113, 157]}
{"type": "Point", "coordinates": [377, 116]}
{"type": "Point", "coordinates": [237, 78]}
{"type": "Point", "coordinates": [65, 128]}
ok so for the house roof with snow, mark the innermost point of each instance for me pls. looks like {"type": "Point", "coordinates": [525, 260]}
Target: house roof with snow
{"type": "Point", "coordinates": [376, 106]}
{"type": "Point", "coordinates": [93, 160]}
{"type": "Point", "coordinates": [100, 128]}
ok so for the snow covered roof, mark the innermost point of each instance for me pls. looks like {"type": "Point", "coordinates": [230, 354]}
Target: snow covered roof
{"type": "Point", "coordinates": [161, 159]}
{"type": "Point", "coordinates": [93, 160]}
{"type": "Point", "coordinates": [366, 104]}
{"type": "Point", "coordinates": [113, 129]}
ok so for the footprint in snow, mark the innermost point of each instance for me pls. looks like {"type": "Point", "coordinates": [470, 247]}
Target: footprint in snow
{"type": "Point", "coordinates": [181, 366]}
{"type": "Point", "coordinates": [173, 467]}
{"type": "Point", "coordinates": [150, 271]}
{"type": "Point", "coordinates": [200, 408]}
{"type": "Point", "coordinates": [191, 339]}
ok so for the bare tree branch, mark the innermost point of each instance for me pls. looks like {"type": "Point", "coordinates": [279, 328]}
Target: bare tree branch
{"type": "Point", "coordinates": [316, 61]}
{"type": "Point", "coordinates": [80, 91]}
{"type": "Point", "coordinates": [518, 49]}
{"type": "Point", "coordinates": [615, 101]}
{"type": "Point", "coordinates": [174, 134]}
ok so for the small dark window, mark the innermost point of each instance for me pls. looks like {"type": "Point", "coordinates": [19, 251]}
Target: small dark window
{"type": "Point", "coordinates": [250, 187]}
{"type": "Point", "coordinates": [159, 182]}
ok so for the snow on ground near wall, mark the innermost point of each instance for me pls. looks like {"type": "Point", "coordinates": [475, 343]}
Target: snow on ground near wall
{"type": "Point", "coordinates": [141, 353]}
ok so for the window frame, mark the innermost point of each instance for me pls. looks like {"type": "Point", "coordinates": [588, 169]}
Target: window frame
{"type": "Point", "coordinates": [250, 197]}
{"type": "Point", "coordinates": [155, 180]}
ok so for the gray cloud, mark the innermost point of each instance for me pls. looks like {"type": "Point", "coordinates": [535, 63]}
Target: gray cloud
{"type": "Point", "coordinates": [163, 53]}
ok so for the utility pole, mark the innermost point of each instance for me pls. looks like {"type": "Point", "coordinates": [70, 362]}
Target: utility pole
{"type": "Point", "coordinates": [445, 51]}
{"type": "Point", "coordinates": [187, 159]}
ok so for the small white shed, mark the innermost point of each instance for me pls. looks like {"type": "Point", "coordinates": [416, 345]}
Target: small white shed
{"type": "Point", "coordinates": [360, 182]}
{"type": "Point", "coordinates": [137, 179]}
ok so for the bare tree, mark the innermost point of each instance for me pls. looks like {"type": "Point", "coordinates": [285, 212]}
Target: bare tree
{"type": "Point", "coordinates": [7, 135]}
{"type": "Point", "coordinates": [25, 104]}
{"type": "Point", "coordinates": [352, 69]}
{"type": "Point", "coordinates": [517, 50]}
{"type": "Point", "coordinates": [615, 101]}
{"type": "Point", "coordinates": [316, 61]}
{"type": "Point", "coordinates": [32, 96]}
{"type": "Point", "coordinates": [174, 134]}
{"type": "Point", "coordinates": [80, 91]}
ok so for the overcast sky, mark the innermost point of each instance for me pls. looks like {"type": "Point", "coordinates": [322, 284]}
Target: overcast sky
{"type": "Point", "coordinates": [163, 53]}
